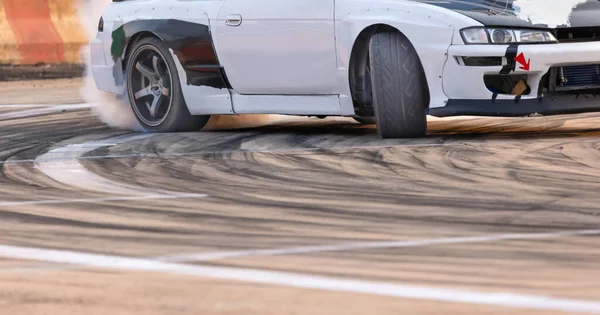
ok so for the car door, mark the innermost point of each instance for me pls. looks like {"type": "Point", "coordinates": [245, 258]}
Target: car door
{"type": "Point", "coordinates": [278, 46]}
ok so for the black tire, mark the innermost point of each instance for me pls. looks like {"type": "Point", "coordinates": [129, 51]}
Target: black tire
{"type": "Point", "coordinates": [171, 114]}
{"type": "Point", "coordinates": [366, 120]}
{"type": "Point", "coordinates": [399, 87]}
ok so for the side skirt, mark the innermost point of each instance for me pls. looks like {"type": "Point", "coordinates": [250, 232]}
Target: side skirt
{"type": "Point", "coordinates": [326, 105]}
{"type": "Point", "coordinates": [549, 104]}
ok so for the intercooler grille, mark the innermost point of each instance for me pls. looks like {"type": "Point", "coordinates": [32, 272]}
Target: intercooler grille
{"type": "Point", "coordinates": [587, 75]}
{"type": "Point", "coordinates": [578, 34]}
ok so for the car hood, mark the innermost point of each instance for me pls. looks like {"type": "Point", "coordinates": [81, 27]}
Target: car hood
{"type": "Point", "coordinates": [505, 12]}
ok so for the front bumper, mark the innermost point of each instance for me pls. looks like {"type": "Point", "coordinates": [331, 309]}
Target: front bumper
{"type": "Point", "coordinates": [466, 82]}
{"type": "Point", "coordinates": [550, 104]}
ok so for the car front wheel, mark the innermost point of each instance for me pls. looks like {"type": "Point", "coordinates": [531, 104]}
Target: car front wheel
{"type": "Point", "coordinates": [154, 90]}
{"type": "Point", "coordinates": [399, 87]}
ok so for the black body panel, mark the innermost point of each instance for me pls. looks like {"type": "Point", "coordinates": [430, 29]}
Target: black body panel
{"type": "Point", "coordinates": [190, 42]}
{"type": "Point", "coordinates": [502, 12]}
{"type": "Point", "coordinates": [549, 104]}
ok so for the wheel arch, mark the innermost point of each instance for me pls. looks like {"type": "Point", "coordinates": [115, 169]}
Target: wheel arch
{"type": "Point", "coordinates": [135, 38]}
{"type": "Point", "coordinates": [359, 80]}
{"type": "Point", "coordinates": [177, 117]}
{"type": "Point", "coordinates": [190, 42]}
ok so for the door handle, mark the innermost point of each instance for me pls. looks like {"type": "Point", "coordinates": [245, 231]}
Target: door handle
{"type": "Point", "coordinates": [233, 20]}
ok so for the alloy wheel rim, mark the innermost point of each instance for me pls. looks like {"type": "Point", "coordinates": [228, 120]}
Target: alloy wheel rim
{"type": "Point", "coordinates": [151, 86]}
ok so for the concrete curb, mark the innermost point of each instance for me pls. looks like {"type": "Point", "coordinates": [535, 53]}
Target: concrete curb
{"type": "Point", "coordinates": [37, 72]}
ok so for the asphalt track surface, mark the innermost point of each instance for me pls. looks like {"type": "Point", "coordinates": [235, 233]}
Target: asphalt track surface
{"type": "Point", "coordinates": [484, 216]}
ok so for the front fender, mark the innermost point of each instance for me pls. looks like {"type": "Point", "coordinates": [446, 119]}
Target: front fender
{"type": "Point", "coordinates": [430, 29]}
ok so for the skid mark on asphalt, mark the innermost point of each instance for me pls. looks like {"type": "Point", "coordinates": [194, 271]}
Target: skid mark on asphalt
{"type": "Point", "coordinates": [62, 165]}
{"type": "Point", "coordinates": [58, 158]}
{"type": "Point", "coordinates": [303, 280]}
{"type": "Point", "coordinates": [201, 153]}
{"type": "Point", "coordinates": [375, 245]}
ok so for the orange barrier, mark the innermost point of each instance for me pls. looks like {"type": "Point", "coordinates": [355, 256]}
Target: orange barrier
{"type": "Point", "coordinates": [40, 32]}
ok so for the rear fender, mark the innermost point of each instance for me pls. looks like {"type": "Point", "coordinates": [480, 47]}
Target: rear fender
{"type": "Point", "coordinates": [186, 32]}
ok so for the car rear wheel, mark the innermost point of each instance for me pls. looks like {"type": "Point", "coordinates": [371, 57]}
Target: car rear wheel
{"type": "Point", "coordinates": [399, 87]}
{"type": "Point", "coordinates": [154, 90]}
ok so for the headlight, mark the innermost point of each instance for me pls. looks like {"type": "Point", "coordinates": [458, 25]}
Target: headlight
{"type": "Point", "coordinates": [480, 35]}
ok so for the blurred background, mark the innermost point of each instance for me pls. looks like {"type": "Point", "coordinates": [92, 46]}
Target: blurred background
{"type": "Point", "coordinates": [267, 214]}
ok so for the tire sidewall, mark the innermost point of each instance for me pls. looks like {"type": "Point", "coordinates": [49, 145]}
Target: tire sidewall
{"type": "Point", "coordinates": [402, 124]}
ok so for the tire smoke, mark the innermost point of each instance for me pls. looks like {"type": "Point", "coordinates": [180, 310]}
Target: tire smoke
{"type": "Point", "coordinates": [110, 110]}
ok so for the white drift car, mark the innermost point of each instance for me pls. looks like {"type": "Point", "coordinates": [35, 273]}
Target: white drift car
{"type": "Point", "coordinates": [392, 62]}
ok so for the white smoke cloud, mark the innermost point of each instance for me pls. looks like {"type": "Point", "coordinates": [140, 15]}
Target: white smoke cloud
{"type": "Point", "coordinates": [110, 110]}
{"type": "Point", "coordinates": [550, 12]}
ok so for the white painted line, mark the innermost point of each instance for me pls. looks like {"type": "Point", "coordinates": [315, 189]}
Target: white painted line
{"type": "Point", "coordinates": [42, 110]}
{"type": "Point", "coordinates": [373, 245]}
{"type": "Point", "coordinates": [304, 280]}
{"type": "Point", "coordinates": [211, 256]}
{"type": "Point", "coordinates": [96, 200]}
